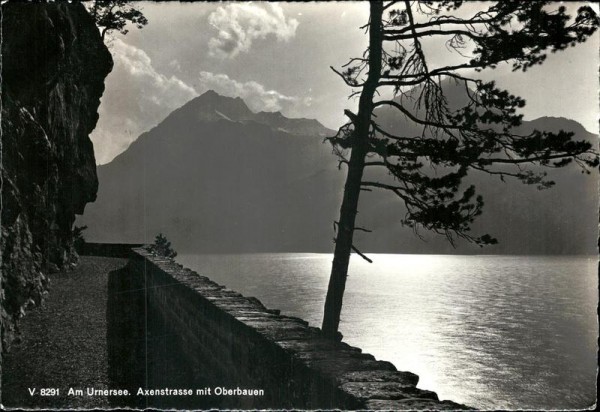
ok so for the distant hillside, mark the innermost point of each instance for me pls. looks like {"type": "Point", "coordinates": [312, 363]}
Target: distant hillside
{"type": "Point", "coordinates": [218, 178]}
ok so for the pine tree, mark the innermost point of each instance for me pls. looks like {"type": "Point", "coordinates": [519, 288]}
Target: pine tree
{"type": "Point", "coordinates": [112, 15]}
{"type": "Point", "coordinates": [427, 171]}
{"type": "Point", "coordinates": [162, 247]}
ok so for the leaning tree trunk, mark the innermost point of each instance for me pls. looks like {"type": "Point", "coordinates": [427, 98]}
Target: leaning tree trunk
{"type": "Point", "coordinates": [360, 141]}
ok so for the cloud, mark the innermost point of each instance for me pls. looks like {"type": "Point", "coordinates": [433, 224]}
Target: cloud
{"type": "Point", "coordinates": [256, 96]}
{"type": "Point", "coordinates": [137, 98]}
{"type": "Point", "coordinates": [239, 24]}
{"type": "Point", "coordinates": [175, 65]}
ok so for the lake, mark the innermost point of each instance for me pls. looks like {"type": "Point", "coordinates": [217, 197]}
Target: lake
{"type": "Point", "coordinates": [492, 332]}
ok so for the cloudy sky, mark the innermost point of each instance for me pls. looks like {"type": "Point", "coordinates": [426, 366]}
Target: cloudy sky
{"type": "Point", "coordinates": [276, 56]}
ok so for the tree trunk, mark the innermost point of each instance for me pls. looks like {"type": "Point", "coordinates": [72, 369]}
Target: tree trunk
{"type": "Point", "coordinates": [345, 231]}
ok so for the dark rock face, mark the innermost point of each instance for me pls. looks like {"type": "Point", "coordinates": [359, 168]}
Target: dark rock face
{"type": "Point", "coordinates": [54, 65]}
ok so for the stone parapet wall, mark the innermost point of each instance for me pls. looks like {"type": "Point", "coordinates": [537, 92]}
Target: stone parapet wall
{"type": "Point", "coordinates": [201, 334]}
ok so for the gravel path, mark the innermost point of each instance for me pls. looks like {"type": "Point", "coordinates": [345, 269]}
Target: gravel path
{"type": "Point", "coordinates": [63, 342]}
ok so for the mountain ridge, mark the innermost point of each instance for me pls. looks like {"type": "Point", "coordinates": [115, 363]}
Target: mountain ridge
{"type": "Point", "coordinates": [210, 106]}
{"type": "Point", "coordinates": [237, 186]}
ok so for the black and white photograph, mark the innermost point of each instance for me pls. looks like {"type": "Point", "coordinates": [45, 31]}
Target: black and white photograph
{"type": "Point", "coordinates": [251, 205]}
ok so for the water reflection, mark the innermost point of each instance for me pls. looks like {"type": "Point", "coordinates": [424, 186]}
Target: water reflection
{"type": "Point", "coordinates": [488, 331]}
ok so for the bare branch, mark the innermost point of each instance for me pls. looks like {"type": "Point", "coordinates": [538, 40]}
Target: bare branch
{"type": "Point", "coordinates": [414, 118]}
{"type": "Point", "coordinates": [415, 35]}
{"type": "Point", "coordinates": [475, 20]}
{"type": "Point", "coordinates": [381, 185]}
{"type": "Point", "coordinates": [355, 59]}
{"type": "Point", "coordinates": [395, 37]}
{"type": "Point", "coordinates": [359, 253]}
{"type": "Point", "coordinates": [351, 84]}
{"type": "Point", "coordinates": [533, 159]}
{"type": "Point", "coordinates": [376, 164]}
{"type": "Point", "coordinates": [390, 4]}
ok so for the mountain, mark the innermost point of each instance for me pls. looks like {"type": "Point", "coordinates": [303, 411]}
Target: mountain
{"type": "Point", "coordinates": [211, 106]}
{"type": "Point", "coordinates": [216, 177]}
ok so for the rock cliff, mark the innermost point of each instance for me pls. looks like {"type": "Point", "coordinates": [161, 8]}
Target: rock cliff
{"type": "Point", "coordinates": [53, 68]}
